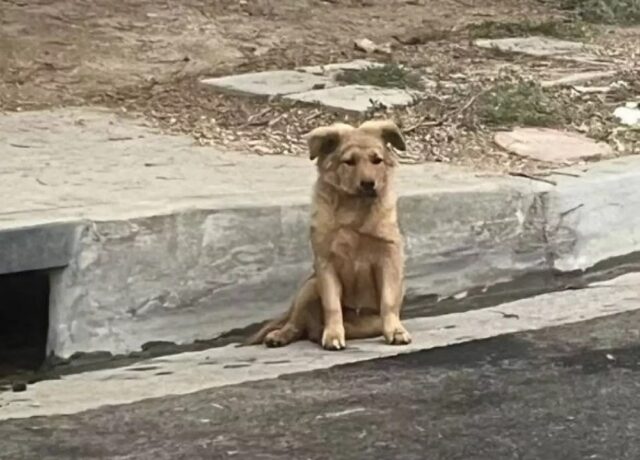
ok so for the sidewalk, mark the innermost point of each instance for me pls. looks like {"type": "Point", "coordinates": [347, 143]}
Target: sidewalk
{"type": "Point", "coordinates": [162, 240]}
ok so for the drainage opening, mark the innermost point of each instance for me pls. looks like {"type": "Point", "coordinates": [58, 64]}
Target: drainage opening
{"type": "Point", "coordinates": [24, 321]}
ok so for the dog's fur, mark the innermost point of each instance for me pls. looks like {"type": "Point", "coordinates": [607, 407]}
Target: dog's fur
{"type": "Point", "coordinates": [357, 287]}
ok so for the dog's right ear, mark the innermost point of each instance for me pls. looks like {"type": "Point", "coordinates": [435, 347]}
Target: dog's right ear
{"type": "Point", "coordinates": [325, 140]}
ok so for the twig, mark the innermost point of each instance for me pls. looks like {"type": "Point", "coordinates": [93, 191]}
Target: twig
{"type": "Point", "coordinates": [251, 121]}
{"type": "Point", "coordinates": [528, 176]}
{"type": "Point", "coordinates": [312, 116]}
{"type": "Point", "coordinates": [275, 120]}
{"type": "Point", "coordinates": [563, 173]}
{"type": "Point", "coordinates": [506, 315]}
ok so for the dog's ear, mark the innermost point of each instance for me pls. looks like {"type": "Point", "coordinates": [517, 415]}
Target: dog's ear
{"type": "Point", "coordinates": [325, 140]}
{"type": "Point", "coordinates": [386, 130]}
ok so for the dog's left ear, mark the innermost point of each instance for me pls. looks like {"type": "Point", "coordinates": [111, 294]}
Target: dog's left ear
{"type": "Point", "coordinates": [386, 130]}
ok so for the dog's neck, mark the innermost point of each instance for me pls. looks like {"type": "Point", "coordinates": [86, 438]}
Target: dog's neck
{"type": "Point", "coordinates": [354, 211]}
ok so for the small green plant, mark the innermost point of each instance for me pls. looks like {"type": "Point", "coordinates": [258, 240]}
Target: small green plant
{"type": "Point", "coordinates": [550, 28]}
{"type": "Point", "coordinates": [522, 103]}
{"type": "Point", "coordinates": [624, 12]}
{"type": "Point", "coordinates": [386, 76]}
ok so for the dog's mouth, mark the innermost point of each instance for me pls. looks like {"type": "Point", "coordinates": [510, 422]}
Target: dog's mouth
{"type": "Point", "coordinates": [368, 193]}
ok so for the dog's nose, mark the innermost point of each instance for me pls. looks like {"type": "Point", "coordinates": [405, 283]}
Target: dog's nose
{"type": "Point", "coordinates": [367, 185]}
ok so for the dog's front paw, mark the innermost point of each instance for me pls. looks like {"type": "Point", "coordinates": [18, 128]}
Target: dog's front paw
{"type": "Point", "coordinates": [333, 338]}
{"type": "Point", "coordinates": [395, 333]}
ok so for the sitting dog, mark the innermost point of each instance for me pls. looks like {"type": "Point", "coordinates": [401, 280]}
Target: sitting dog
{"type": "Point", "coordinates": [357, 286]}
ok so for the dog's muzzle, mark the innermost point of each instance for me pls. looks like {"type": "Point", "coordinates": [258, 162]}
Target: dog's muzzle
{"type": "Point", "coordinates": [368, 188]}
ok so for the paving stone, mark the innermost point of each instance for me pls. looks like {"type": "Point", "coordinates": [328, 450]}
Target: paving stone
{"type": "Point", "coordinates": [270, 83]}
{"type": "Point", "coordinates": [551, 145]}
{"type": "Point", "coordinates": [356, 98]}
{"type": "Point", "coordinates": [534, 46]}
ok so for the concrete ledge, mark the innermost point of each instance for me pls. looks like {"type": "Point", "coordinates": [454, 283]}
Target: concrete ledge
{"type": "Point", "coordinates": [197, 274]}
{"type": "Point", "coordinates": [36, 248]}
{"type": "Point", "coordinates": [594, 215]}
{"type": "Point", "coordinates": [165, 241]}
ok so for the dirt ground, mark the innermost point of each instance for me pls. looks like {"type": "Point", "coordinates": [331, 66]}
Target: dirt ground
{"type": "Point", "coordinates": [145, 58]}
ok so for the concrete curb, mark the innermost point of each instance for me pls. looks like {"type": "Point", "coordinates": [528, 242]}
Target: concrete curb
{"type": "Point", "coordinates": [198, 274]}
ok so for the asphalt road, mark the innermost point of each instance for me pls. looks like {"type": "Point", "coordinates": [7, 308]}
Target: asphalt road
{"type": "Point", "coordinates": [568, 392]}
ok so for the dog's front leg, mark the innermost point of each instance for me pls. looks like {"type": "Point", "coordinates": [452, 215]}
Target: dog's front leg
{"type": "Point", "coordinates": [390, 277]}
{"type": "Point", "coordinates": [333, 336]}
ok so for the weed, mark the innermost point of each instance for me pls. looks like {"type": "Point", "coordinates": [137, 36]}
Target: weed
{"type": "Point", "coordinates": [386, 76]}
{"type": "Point", "coordinates": [624, 12]}
{"type": "Point", "coordinates": [551, 28]}
{"type": "Point", "coordinates": [522, 103]}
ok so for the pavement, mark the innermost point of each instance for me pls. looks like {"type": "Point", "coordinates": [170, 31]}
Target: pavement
{"type": "Point", "coordinates": [564, 391]}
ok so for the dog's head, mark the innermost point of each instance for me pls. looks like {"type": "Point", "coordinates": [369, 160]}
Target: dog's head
{"type": "Point", "coordinates": [356, 161]}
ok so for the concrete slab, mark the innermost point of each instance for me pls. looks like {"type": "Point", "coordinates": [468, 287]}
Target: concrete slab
{"type": "Point", "coordinates": [535, 46]}
{"type": "Point", "coordinates": [356, 98]}
{"type": "Point", "coordinates": [169, 241]}
{"type": "Point", "coordinates": [551, 145]}
{"type": "Point", "coordinates": [269, 83]}
{"type": "Point", "coordinates": [176, 242]}
{"type": "Point", "coordinates": [190, 372]}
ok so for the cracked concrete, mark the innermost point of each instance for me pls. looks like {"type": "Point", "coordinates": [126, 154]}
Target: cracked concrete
{"type": "Point", "coordinates": [224, 244]}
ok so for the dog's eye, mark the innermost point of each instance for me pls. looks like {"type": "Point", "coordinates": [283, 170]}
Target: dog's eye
{"type": "Point", "coordinates": [376, 160]}
{"type": "Point", "coordinates": [350, 162]}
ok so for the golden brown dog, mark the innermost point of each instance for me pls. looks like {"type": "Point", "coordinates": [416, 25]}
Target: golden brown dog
{"type": "Point", "coordinates": [357, 287]}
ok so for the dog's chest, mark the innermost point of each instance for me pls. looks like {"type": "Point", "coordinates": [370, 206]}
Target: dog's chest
{"type": "Point", "coordinates": [351, 247]}
{"type": "Point", "coordinates": [355, 257]}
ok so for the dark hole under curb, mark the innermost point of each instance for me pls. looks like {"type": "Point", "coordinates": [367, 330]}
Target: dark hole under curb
{"type": "Point", "coordinates": [24, 321]}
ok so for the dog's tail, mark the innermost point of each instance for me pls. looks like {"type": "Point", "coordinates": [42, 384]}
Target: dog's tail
{"type": "Point", "coordinates": [272, 325]}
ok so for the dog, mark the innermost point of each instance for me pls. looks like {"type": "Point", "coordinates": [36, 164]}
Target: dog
{"type": "Point", "coordinates": [357, 286]}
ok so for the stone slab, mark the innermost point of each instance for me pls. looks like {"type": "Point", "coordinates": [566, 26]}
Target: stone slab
{"type": "Point", "coordinates": [177, 242]}
{"type": "Point", "coordinates": [269, 83]}
{"type": "Point", "coordinates": [356, 98]}
{"type": "Point", "coordinates": [551, 145]}
{"type": "Point", "coordinates": [534, 46]}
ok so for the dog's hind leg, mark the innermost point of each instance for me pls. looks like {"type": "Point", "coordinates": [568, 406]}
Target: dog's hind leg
{"type": "Point", "coordinates": [363, 326]}
{"type": "Point", "coordinates": [296, 325]}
